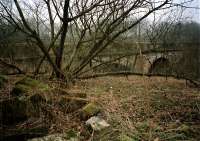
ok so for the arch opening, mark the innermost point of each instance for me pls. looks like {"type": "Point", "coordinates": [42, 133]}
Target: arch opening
{"type": "Point", "coordinates": [160, 66]}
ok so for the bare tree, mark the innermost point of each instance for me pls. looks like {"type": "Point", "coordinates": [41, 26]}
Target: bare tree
{"type": "Point", "coordinates": [158, 28]}
{"type": "Point", "coordinates": [86, 28]}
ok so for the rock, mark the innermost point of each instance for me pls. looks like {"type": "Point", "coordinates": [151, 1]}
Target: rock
{"type": "Point", "coordinates": [55, 137]}
{"type": "Point", "coordinates": [156, 139]}
{"type": "Point", "coordinates": [124, 137]}
{"type": "Point", "coordinates": [58, 137]}
{"type": "Point", "coordinates": [35, 103]}
{"type": "Point", "coordinates": [13, 111]}
{"type": "Point", "coordinates": [184, 129]}
{"type": "Point", "coordinates": [28, 85]}
{"type": "Point", "coordinates": [97, 123]}
{"type": "Point", "coordinates": [77, 94]}
{"type": "Point", "coordinates": [39, 98]}
{"type": "Point", "coordinates": [19, 109]}
{"type": "Point", "coordinates": [36, 128]}
{"type": "Point", "coordinates": [71, 104]}
{"type": "Point", "coordinates": [90, 110]}
{"type": "Point", "coordinates": [3, 80]}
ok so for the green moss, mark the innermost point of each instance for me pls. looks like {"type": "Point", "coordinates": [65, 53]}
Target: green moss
{"type": "Point", "coordinates": [71, 134]}
{"type": "Point", "coordinates": [124, 137]}
{"type": "Point", "coordinates": [27, 85]}
{"type": "Point", "coordinates": [184, 129]}
{"type": "Point", "coordinates": [142, 126]}
{"type": "Point", "coordinates": [79, 95]}
{"type": "Point", "coordinates": [70, 104]}
{"type": "Point", "coordinates": [90, 109]}
{"type": "Point", "coordinates": [33, 83]}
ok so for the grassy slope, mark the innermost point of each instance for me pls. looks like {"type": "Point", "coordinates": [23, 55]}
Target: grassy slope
{"type": "Point", "coordinates": [142, 108]}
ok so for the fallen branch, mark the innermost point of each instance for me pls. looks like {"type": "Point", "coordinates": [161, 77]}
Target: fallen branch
{"type": "Point", "coordinates": [126, 73]}
{"type": "Point", "coordinates": [123, 73]}
{"type": "Point", "coordinates": [194, 82]}
{"type": "Point", "coordinates": [12, 66]}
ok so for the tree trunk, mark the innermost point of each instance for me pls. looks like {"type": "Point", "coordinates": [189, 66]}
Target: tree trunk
{"type": "Point", "coordinates": [60, 49]}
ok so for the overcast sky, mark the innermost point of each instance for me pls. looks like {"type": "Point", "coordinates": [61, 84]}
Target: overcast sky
{"type": "Point", "coordinates": [191, 12]}
{"type": "Point", "coordinates": [194, 13]}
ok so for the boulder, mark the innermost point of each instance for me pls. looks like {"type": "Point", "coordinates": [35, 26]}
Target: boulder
{"type": "Point", "coordinates": [90, 110]}
{"type": "Point", "coordinates": [124, 137]}
{"type": "Point", "coordinates": [184, 129]}
{"type": "Point", "coordinates": [77, 94]}
{"type": "Point", "coordinates": [13, 111]}
{"type": "Point", "coordinates": [32, 128]}
{"type": "Point", "coordinates": [69, 136]}
{"type": "Point", "coordinates": [27, 86]}
{"type": "Point", "coordinates": [71, 104]}
{"type": "Point", "coordinates": [18, 109]}
{"type": "Point", "coordinates": [70, 93]}
{"type": "Point", "coordinates": [97, 124]}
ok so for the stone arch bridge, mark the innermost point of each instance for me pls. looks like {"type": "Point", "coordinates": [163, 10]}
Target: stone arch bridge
{"type": "Point", "coordinates": [156, 62]}
{"type": "Point", "coordinates": [144, 62]}
{"type": "Point", "coordinates": [144, 58]}
{"type": "Point", "coordinates": [179, 58]}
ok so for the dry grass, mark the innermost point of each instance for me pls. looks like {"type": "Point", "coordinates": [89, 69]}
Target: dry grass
{"type": "Point", "coordinates": [142, 108]}
{"type": "Point", "coordinates": [138, 109]}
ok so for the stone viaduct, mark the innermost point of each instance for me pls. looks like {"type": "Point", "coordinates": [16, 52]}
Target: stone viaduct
{"type": "Point", "coordinates": [147, 59]}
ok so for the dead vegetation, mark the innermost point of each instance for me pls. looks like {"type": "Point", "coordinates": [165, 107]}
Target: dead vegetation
{"type": "Point", "coordinates": [138, 108]}
{"type": "Point", "coordinates": [143, 108]}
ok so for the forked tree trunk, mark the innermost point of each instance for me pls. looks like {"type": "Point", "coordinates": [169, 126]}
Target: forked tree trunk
{"type": "Point", "coordinates": [60, 49]}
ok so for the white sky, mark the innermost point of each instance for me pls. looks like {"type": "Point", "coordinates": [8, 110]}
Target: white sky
{"type": "Point", "coordinates": [194, 13]}
{"type": "Point", "coordinates": [189, 14]}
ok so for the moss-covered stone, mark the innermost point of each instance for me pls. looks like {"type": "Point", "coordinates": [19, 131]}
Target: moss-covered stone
{"type": "Point", "coordinates": [39, 98]}
{"type": "Point", "coordinates": [21, 133]}
{"type": "Point", "coordinates": [20, 89]}
{"type": "Point", "coordinates": [35, 103]}
{"type": "Point", "coordinates": [13, 111]}
{"type": "Point", "coordinates": [70, 104]}
{"type": "Point", "coordinates": [71, 134]}
{"type": "Point", "coordinates": [28, 85]}
{"type": "Point", "coordinates": [77, 94]}
{"type": "Point", "coordinates": [184, 129]}
{"type": "Point", "coordinates": [18, 109]}
{"type": "Point", "coordinates": [124, 137]}
{"type": "Point", "coordinates": [56, 137]}
{"type": "Point", "coordinates": [27, 81]}
{"type": "Point", "coordinates": [3, 80]}
{"type": "Point", "coordinates": [90, 110]}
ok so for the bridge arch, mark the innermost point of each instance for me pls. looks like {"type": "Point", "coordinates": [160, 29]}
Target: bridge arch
{"type": "Point", "coordinates": [159, 66]}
